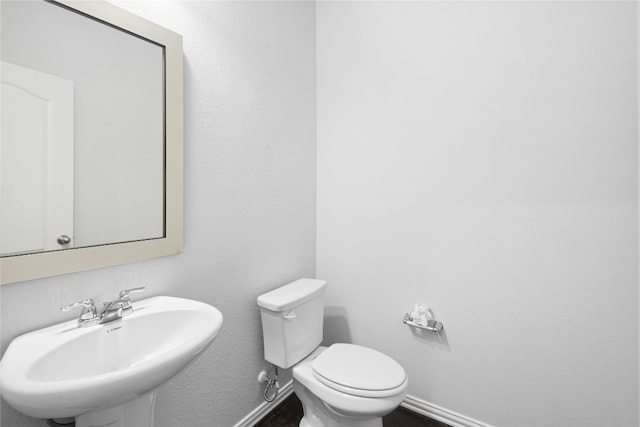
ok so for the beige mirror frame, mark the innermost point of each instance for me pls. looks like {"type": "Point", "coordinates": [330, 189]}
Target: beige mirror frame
{"type": "Point", "coordinates": [38, 265]}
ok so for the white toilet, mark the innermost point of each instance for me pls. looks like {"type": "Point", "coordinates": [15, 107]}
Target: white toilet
{"type": "Point", "coordinates": [343, 385]}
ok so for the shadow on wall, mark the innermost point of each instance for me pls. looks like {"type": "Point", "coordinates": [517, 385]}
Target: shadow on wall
{"type": "Point", "coordinates": [336, 326]}
{"type": "Point", "coordinates": [436, 339]}
{"type": "Point", "coordinates": [336, 330]}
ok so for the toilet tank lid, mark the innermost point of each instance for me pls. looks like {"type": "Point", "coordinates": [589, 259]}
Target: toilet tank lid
{"type": "Point", "coordinates": [289, 296]}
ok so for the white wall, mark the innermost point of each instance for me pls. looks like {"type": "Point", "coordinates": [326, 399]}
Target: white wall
{"type": "Point", "coordinates": [481, 157]}
{"type": "Point", "coordinates": [249, 200]}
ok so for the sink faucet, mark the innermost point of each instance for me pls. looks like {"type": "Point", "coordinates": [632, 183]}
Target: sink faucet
{"type": "Point", "coordinates": [111, 311]}
{"type": "Point", "coordinates": [120, 307]}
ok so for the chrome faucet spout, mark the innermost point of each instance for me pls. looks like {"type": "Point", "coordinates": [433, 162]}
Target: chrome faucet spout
{"type": "Point", "coordinates": [112, 311]}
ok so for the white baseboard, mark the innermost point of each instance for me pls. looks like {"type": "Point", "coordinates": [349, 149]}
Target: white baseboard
{"type": "Point", "coordinates": [440, 414]}
{"type": "Point", "coordinates": [412, 403]}
{"type": "Point", "coordinates": [265, 407]}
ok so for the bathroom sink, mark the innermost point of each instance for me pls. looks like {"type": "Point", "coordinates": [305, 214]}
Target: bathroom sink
{"type": "Point", "coordinates": [66, 371]}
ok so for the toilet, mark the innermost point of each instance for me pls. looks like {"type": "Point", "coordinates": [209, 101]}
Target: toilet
{"type": "Point", "coordinates": [343, 385]}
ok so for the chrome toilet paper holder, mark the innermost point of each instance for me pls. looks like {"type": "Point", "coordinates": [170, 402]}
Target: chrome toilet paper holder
{"type": "Point", "coordinates": [431, 325]}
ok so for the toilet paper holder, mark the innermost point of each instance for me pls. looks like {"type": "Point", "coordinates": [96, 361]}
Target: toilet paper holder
{"type": "Point", "coordinates": [431, 325]}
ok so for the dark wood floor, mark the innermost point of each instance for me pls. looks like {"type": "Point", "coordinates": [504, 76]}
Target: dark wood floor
{"type": "Point", "coordinates": [289, 414]}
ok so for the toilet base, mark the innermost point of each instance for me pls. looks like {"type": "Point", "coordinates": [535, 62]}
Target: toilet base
{"type": "Point", "coordinates": [318, 414]}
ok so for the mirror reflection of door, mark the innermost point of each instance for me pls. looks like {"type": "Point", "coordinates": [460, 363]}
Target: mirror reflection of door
{"type": "Point", "coordinates": [118, 120]}
{"type": "Point", "coordinates": [36, 161]}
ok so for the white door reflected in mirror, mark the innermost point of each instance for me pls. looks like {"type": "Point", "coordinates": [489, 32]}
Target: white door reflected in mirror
{"type": "Point", "coordinates": [36, 155]}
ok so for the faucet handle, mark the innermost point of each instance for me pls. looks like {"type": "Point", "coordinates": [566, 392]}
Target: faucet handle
{"type": "Point", "coordinates": [126, 300]}
{"type": "Point", "coordinates": [124, 294]}
{"type": "Point", "coordinates": [89, 314]}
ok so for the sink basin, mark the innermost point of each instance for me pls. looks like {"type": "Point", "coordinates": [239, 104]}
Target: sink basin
{"type": "Point", "coordinates": [64, 371]}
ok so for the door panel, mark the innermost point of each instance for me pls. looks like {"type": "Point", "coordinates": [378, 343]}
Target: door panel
{"type": "Point", "coordinates": [36, 161]}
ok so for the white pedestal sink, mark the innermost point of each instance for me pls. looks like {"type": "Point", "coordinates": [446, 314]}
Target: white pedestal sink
{"type": "Point", "coordinates": [106, 374]}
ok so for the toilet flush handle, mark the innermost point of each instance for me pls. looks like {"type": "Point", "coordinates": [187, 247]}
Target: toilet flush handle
{"type": "Point", "coordinates": [290, 315]}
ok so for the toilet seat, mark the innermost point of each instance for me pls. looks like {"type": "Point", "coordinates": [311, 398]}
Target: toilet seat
{"type": "Point", "coordinates": [359, 371]}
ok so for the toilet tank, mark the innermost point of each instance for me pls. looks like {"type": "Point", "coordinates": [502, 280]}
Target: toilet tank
{"type": "Point", "coordinates": [292, 321]}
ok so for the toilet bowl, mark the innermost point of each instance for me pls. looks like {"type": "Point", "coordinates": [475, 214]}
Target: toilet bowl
{"type": "Point", "coordinates": [343, 385]}
{"type": "Point", "coordinates": [373, 388]}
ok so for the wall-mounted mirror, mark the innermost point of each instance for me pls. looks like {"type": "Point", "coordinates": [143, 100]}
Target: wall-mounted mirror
{"type": "Point", "coordinates": [91, 144]}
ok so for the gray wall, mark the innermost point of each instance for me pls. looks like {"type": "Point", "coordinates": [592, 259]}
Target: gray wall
{"type": "Point", "coordinates": [481, 158]}
{"type": "Point", "coordinates": [249, 200]}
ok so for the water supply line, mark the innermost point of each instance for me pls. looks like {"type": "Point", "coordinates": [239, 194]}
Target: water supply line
{"type": "Point", "coordinates": [273, 387]}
